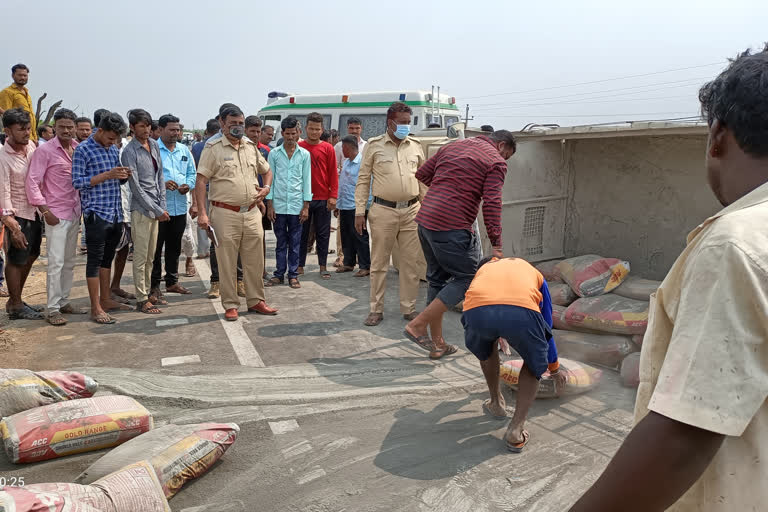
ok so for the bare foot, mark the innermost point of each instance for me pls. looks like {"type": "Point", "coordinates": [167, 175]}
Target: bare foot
{"type": "Point", "coordinates": [111, 305]}
{"type": "Point", "coordinates": [497, 409]}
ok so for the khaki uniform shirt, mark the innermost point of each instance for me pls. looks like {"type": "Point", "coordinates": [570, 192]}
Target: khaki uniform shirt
{"type": "Point", "coordinates": [232, 173]}
{"type": "Point", "coordinates": [392, 168]}
{"type": "Point", "coordinates": [13, 97]}
{"type": "Point", "coordinates": [705, 355]}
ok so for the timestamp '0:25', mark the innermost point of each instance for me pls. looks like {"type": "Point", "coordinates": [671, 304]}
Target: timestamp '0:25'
{"type": "Point", "coordinates": [16, 481]}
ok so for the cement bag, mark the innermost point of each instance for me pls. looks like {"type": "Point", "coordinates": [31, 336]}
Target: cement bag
{"type": "Point", "coordinates": [592, 275]}
{"type": "Point", "coordinates": [630, 370]}
{"type": "Point", "coordinates": [549, 271]}
{"type": "Point", "coordinates": [601, 349]}
{"type": "Point", "coordinates": [21, 390]}
{"type": "Point", "coordinates": [637, 288]}
{"type": "Point", "coordinates": [579, 378]}
{"type": "Point", "coordinates": [179, 453]}
{"type": "Point", "coordinates": [561, 294]}
{"type": "Point", "coordinates": [609, 313]}
{"type": "Point", "coordinates": [72, 427]}
{"type": "Point", "coordinates": [558, 317]}
{"type": "Point", "coordinates": [132, 489]}
{"type": "Point", "coordinates": [637, 339]}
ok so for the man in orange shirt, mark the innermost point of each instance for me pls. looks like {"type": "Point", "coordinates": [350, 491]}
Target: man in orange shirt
{"type": "Point", "coordinates": [509, 298]}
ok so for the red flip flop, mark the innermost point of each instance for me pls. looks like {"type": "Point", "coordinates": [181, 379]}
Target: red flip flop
{"type": "Point", "coordinates": [518, 447]}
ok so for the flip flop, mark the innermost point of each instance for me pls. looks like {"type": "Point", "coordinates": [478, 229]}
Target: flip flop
{"type": "Point", "coordinates": [325, 274]}
{"type": "Point", "coordinates": [119, 299]}
{"type": "Point", "coordinates": [424, 342]}
{"type": "Point", "coordinates": [274, 282]}
{"type": "Point", "coordinates": [342, 269]}
{"type": "Point", "coordinates": [518, 447]}
{"type": "Point", "coordinates": [363, 273]}
{"type": "Point", "coordinates": [104, 319]}
{"type": "Point", "coordinates": [439, 354]}
{"type": "Point", "coordinates": [147, 308]}
{"type": "Point", "coordinates": [37, 307]}
{"type": "Point", "coordinates": [25, 313]}
{"type": "Point", "coordinates": [294, 283]}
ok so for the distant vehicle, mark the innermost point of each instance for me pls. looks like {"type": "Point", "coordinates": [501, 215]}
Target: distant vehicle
{"type": "Point", "coordinates": [369, 107]}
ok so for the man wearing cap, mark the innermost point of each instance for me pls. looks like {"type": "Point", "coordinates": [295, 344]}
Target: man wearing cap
{"type": "Point", "coordinates": [227, 164]}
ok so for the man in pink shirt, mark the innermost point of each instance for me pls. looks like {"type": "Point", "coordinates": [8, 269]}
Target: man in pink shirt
{"type": "Point", "coordinates": [21, 221]}
{"type": "Point", "coordinates": [49, 189]}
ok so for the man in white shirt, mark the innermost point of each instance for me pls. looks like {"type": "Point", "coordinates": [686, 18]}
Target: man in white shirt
{"type": "Point", "coordinates": [701, 414]}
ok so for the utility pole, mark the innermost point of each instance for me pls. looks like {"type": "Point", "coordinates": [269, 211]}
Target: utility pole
{"type": "Point", "coordinates": [467, 119]}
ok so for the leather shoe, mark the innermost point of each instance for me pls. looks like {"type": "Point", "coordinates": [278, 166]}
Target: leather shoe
{"type": "Point", "coordinates": [231, 314]}
{"type": "Point", "coordinates": [262, 309]}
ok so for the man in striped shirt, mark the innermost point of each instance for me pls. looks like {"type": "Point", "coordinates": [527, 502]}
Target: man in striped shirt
{"type": "Point", "coordinates": [459, 176]}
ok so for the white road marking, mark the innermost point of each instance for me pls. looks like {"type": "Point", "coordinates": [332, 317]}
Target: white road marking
{"type": "Point", "coordinates": [297, 449]}
{"type": "Point", "coordinates": [173, 361]}
{"type": "Point", "coordinates": [64, 338]}
{"type": "Point", "coordinates": [312, 475]}
{"type": "Point", "coordinates": [171, 321]}
{"type": "Point", "coordinates": [243, 346]}
{"type": "Point", "coordinates": [282, 427]}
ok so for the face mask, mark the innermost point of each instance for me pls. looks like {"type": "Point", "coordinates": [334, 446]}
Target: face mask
{"type": "Point", "coordinates": [402, 131]}
{"type": "Point", "coordinates": [237, 131]}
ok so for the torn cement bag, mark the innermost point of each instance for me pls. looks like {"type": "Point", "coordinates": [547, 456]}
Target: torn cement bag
{"type": "Point", "coordinates": [179, 453]}
{"type": "Point", "coordinates": [561, 294]}
{"type": "Point", "coordinates": [549, 271]}
{"type": "Point", "coordinates": [71, 427]}
{"type": "Point", "coordinates": [602, 349]}
{"type": "Point", "coordinates": [637, 288]}
{"type": "Point", "coordinates": [592, 275]}
{"type": "Point", "coordinates": [630, 370]}
{"type": "Point", "coordinates": [609, 313]}
{"type": "Point", "coordinates": [21, 390]}
{"type": "Point", "coordinates": [134, 488]}
{"type": "Point", "coordinates": [579, 378]}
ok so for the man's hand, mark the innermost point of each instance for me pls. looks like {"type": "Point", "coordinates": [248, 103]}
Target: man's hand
{"type": "Point", "coordinates": [497, 253]}
{"type": "Point", "coordinates": [119, 173]}
{"type": "Point", "coordinates": [171, 185]}
{"type": "Point", "coordinates": [336, 213]}
{"type": "Point", "coordinates": [261, 193]}
{"type": "Point", "coordinates": [50, 218]}
{"type": "Point", "coordinates": [262, 208]}
{"type": "Point", "coordinates": [183, 189]}
{"type": "Point", "coordinates": [271, 212]}
{"type": "Point", "coordinates": [18, 239]}
{"type": "Point", "coordinates": [359, 224]}
{"type": "Point", "coordinates": [560, 381]}
{"type": "Point", "coordinates": [193, 211]}
{"type": "Point", "coordinates": [304, 215]}
{"type": "Point", "coordinates": [331, 204]}
{"type": "Point", "coordinates": [164, 217]}
{"type": "Point", "coordinates": [202, 221]}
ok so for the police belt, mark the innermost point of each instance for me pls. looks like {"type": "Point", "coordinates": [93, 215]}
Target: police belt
{"type": "Point", "coordinates": [239, 209]}
{"type": "Point", "coordinates": [395, 204]}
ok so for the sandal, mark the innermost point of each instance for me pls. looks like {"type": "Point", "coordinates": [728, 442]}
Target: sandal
{"type": "Point", "coordinates": [373, 319]}
{"type": "Point", "coordinates": [274, 282]}
{"type": "Point", "coordinates": [447, 351]}
{"type": "Point", "coordinates": [158, 300]}
{"type": "Point", "coordinates": [24, 313]}
{"type": "Point", "coordinates": [123, 294]}
{"type": "Point", "coordinates": [37, 307]}
{"type": "Point", "coordinates": [343, 269]}
{"type": "Point", "coordinates": [424, 341]}
{"type": "Point", "coordinates": [518, 447]}
{"type": "Point", "coordinates": [363, 273]}
{"type": "Point", "coordinates": [103, 319]}
{"type": "Point", "coordinates": [294, 283]}
{"type": "Point", "coordinates": [325, 274]}
{"type": "Point", "coordinates": [119, 299]}
{"type": "Point", "coordinates": [148, 308]}
{"type": "Point", "coordinates": [56, 319]}
{"type": "Point", "coordinates": [69, 309]}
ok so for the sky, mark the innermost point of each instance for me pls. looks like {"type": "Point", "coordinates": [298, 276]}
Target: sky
{"type": "Point", "coordinates": [513, 62]}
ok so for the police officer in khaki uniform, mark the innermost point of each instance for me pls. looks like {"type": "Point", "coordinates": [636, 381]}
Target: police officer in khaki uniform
{"type": "Point", "coordinates": [390, 163]}
{"type": "Point", "coordinates": [230, 165]}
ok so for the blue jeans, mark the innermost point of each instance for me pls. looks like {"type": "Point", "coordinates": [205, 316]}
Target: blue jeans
{"type": "Point", "coordinates": [288, 232]}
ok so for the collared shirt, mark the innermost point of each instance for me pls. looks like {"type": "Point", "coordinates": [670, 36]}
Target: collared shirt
{"type": "Point", "coordinates": [325, 174]}
{"type": "Point", "coordinates": [147, 182]}
{"type": "Point", "coordinates": [13, 177]}
{"type": "Point", "coordinates": [91, 159]}
{"type": "Point", "coordinates": [340, 154]}
{"type": "Point", "coordinates": [13, 97]}
{"type": "Point", "coordinates": [49, 180]}
{"type": "Point", "coordinates": [178, 166]}
{"type": "Point", "coordinates": [390, 170]}
{"type": "Point", "coordinates": [459, 176]}
{"type": "Point", "coordinates": [197, 150]}
{"type": "Point", "coordinates": [232, 172]}
{"type": "Point", "coordinates": [704, 356]}
{"type": "Point", "coordinates": [291, 180]}
{"type": "Point", "coordinates": [348, 181]}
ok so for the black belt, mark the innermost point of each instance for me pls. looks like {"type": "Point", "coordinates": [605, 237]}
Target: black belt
{"type": "Point", "coordinates": [395, 204]}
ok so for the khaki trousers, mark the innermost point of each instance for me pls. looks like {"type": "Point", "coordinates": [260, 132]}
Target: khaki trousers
{"type": "Point", "coordinates": [390, 225]}
{"type": "Point", "coordinates": [144, 234]}
{"type": "Point", "coordinates": [239, 233]}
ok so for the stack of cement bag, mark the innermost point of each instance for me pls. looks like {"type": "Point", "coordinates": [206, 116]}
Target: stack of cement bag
{"type": "Point", "coordinates": [47, 415]}
{"type": "Point", "coordinates": [600, 312]}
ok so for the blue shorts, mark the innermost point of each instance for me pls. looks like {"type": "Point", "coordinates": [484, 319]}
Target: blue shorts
{"type": "Point", "coordinates": [524, 329]}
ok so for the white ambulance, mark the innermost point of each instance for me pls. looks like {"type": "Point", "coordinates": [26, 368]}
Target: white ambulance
{"type": "Point", "coordinates": [429, 110]}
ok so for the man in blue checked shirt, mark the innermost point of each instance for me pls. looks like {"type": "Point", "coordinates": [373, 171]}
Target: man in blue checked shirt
{"type": "Point", "coordinates": [97, 174]}
{"type": "Point", "coordinates": [180, 175]}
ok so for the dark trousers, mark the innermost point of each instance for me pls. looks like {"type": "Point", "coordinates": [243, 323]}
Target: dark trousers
{"type": "Point", "coordinates": [288, 233]}
{"type": "Point", "coordinates": [356, 247]}
{"type": "Point", "coordinates": [318, 212]}
{"type": "Point", "coordinates": [101, 238]}
{"type": "Point", "coordinates": [452, 258]}
{"type": "Point", "coordinates": [215, 267]}
{"type": "Point", "coordinates": [169, 234]}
